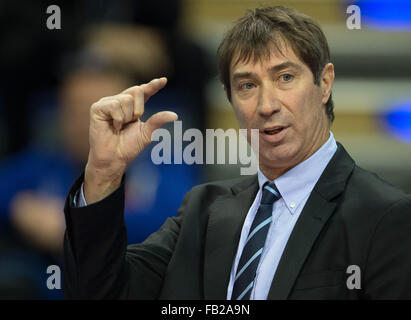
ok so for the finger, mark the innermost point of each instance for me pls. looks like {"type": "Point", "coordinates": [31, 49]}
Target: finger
{"type": "Point", "coordinates": [118, 116]}
{"type": "Point", "coordinates": [111, 109]}
{"type": "Point", "coordinates": [149, 89]}
{"type": "Point", "coordinates": [142, 93]}
{"type": "Point", "coordinates": [138, 103]}
{"type": "Point", "coordinates": [127, 105]}
{"type": "Point", "coordinates": [133, 105]}
{"type": "Point", "coordinates": [158, 119]}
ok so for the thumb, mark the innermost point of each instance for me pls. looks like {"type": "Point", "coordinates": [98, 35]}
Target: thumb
{"type": "Point", "coordinates": [159, 119]}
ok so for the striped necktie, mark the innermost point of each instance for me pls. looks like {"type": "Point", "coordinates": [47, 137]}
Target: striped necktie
{"type": "Point", "coordinates": [254, 245]}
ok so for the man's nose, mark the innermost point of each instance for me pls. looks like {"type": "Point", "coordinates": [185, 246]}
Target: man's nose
{"type": "Point", "coordinates": [268, 101]}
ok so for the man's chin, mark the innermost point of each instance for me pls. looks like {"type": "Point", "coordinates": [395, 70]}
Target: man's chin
{"type": "Point", "coordinates": [277, 158]}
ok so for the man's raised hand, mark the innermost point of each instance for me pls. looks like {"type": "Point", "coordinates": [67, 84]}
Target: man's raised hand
{"type": "Point", "coordinates": [117, 136]}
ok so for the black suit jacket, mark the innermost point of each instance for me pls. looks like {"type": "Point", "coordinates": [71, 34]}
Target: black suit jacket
{"type": "Point", "coordinates": [350, 218]}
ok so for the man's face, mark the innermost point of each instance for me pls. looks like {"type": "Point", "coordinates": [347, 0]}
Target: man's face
{"type": "Point", "coordinates": [277, 95]}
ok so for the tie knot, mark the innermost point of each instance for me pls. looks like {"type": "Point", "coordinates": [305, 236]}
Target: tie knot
{"type": "Point", "coordinates": [270, 193]}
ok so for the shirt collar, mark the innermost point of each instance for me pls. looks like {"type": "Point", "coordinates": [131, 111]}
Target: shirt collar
{"type": "Point", "coordinates": [297, 183]}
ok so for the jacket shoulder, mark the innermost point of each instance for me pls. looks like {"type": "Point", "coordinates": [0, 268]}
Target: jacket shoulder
{"type": "Point", "coordinates": [208, 192]}
{"type": "Point", "coordinates": [370, 184]}
{"type": "Point", "coordinates": [368, 193]}
{"type": "Point", "coordinates": [227, 186]}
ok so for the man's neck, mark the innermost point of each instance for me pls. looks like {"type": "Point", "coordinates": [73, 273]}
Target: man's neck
{"type": "Point", "coordinates": [273, 173]}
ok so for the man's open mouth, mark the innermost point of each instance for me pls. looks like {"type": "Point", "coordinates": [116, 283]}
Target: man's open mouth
{"type": "Point", "coordinates": [273, 130]}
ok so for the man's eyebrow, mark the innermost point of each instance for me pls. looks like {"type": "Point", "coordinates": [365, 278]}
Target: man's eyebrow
{"type": "Point", "coordinates": [285, 65]}
{"type": "Point", "coordinates": [241, 75]}
{"type": "Point", "coordinates": [273, 69]}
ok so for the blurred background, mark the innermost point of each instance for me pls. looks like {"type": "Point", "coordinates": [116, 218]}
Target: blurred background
{"type": "Point", "coordinates": [49, 79]}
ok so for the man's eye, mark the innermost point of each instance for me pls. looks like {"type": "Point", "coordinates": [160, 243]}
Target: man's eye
{"type": "Point", "coordinates": [287, 77]}
{"type": "Point", "coordinates": [247, 86]}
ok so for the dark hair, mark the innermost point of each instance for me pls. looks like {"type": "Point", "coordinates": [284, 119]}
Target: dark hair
{"type": "Point", "coordinates": [252, 35]}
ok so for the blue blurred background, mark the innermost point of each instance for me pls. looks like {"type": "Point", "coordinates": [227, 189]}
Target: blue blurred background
{"type": "Point", "coordinates": [49, 79]}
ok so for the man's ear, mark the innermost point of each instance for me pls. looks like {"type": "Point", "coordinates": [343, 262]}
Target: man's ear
{"type": "Point", "coordinates": [327, 79]}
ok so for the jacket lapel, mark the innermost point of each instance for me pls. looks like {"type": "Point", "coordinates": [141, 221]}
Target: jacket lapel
{"type": "Point", "coordinates": [226, 218]}
{"type": "Point", "coordinates": [317, 211]}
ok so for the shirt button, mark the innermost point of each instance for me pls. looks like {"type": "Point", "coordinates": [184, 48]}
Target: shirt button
{"type": "Point", "coordinates": [292, 204]}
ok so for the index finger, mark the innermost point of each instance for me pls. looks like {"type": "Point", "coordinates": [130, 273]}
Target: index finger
{"type": "Point", "coordinates": [149, 89]}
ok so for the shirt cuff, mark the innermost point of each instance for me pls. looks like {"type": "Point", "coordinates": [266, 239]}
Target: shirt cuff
{"type": "Point", "coordinates": [79, 199]}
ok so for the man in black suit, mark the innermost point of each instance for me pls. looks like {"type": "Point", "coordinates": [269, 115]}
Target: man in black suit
{"type": "Point", "coordinates": [310, 225]}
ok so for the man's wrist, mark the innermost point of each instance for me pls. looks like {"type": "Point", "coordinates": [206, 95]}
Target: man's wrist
{"type": "Point", "coordinates": [98, 184]}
